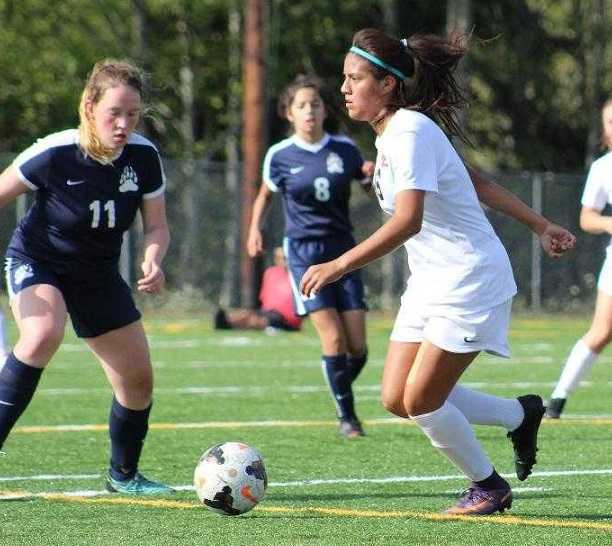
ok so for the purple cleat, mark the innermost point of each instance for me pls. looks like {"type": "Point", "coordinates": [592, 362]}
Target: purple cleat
{"type": "Point", "coordinates": [351, 428]}
{"type": "Point", "coordinates": [524, 438]}
{"type": "Point", "coordinates": [482, 502]}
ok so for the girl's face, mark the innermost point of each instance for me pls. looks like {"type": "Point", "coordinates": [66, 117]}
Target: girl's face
{"type": "Point", "coordinates": [606, 119]}
{"type": "Point", "coordinates": [115, 115]}
{"type": "Point", "coordinates": [306, 113]}
{"type": "Point", "coordinates": [365, 96]}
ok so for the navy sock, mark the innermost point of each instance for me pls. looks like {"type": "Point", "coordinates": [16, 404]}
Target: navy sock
{"type": "Point", "coordinates": [338, 375]}
{"type": "Point", "coordinates": [494, 481]}
{"type": "Point", "coordinates": [18, 381]}
{"type": "Point", "coordinates": [127, 429]}
{"type": "Point", "coordinates": [356, 364]}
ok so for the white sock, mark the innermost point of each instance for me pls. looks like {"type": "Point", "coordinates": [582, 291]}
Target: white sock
{"type": "Point", "coordinates": [484, 409]}
{"type": "Point", "coordinates": [579, 362]}
{"type": "Point", "coordinates": [449, 432]}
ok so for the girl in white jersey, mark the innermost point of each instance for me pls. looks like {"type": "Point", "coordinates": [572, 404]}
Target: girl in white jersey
{"type": "Point", "coordinates": [597, 194]}
{"type": "Point", "coordinates": [457, 301]}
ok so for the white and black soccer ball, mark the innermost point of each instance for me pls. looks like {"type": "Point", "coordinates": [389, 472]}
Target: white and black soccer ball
{"type": "Point", "coordinates": [230, 478]}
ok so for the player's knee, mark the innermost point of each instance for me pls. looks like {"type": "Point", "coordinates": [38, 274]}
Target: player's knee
{"type": "Point", "coordinates": [393, 404]}
{"type": "Point", "coordinates": [40, 344]}
{"type": "Point", "coordinates": [599, 338]}
{"type": "Point", "coordinates": [417, 404]}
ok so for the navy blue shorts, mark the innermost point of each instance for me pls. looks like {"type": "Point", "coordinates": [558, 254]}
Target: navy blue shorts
{"type": "Point", "coordinates": [96, 306]}
{"type": "Point", "coordinates": [345, 294]}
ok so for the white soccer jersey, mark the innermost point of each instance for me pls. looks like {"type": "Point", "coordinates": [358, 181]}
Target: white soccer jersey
{"type": "Point", "coordinates": [457, 262]}
{"type": "Point", "coordinates": [598, 188]}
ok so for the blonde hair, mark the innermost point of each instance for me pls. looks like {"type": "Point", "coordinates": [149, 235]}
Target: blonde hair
{"type": "Point", "coordinates": [104, 75]}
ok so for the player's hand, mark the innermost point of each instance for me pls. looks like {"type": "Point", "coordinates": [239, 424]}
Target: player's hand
{"type": "Point", "coordinates": [556, 240]}
{"type": "Point", "coordinates": [255, 243]}
{"type": "Point", "coordinates": [368, 168]}
{"type": "Point", "coordinates": [153, 278]}
{"type": "Point", "coordinates": [317, 276]}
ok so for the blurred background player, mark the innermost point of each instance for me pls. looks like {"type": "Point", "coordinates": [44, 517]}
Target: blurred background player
{"type": "Point", "coordinates": [63, 259]}
{"type": "Point", "coordinates": [597, 194]}
{"type": "Point", "coordinates": [277, 304]}
{"type": "Point", "coordinates": [458, 297]}
{"type": "Point", "coordinates": [313, 170]}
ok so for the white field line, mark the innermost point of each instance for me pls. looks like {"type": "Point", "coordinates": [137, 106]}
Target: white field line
{"type": "Point", "coordinates": [301, 483]}
{"type": "Point", "coordinates": [261, 390]}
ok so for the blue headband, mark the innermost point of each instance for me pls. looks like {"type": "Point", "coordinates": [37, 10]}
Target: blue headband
{"type": "Point", "coordinates": [378, 62]}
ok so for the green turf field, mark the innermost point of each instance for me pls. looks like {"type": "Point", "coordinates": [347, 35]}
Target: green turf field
{"type": "Point", "coordinates": [387, 488]}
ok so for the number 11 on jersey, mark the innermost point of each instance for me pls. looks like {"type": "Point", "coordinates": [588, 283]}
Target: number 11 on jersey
{"type": "Point", "coordinates": [96, 208]}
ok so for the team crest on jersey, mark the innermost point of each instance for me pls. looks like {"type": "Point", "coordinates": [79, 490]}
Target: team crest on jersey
{"type": "Point", "coordinates": [335, 163]}
{"type": "Point", "coordinates": [128, 180]}
{"type": "Point", "coordinates": [22, 273]}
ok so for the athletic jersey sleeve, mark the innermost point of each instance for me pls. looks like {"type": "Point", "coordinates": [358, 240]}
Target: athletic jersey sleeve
{"type": "Point", "coordinates": [34, 163]}
{"type": "Point", "coordinates": [596, 195]}
{"type": "Point", "coordinates": [271, 172]}
{"type": "Point", "coordinates": [155, 183]}
{"type": "Point", "coordinates": [412, 160]}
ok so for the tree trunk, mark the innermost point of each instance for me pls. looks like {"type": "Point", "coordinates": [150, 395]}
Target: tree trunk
{"type": "Point", "coordinates": [254, 71]}
{"type": "Point", "coordinates": [230, 289]}
{"type": "Point", "coordinates": [189, 197]}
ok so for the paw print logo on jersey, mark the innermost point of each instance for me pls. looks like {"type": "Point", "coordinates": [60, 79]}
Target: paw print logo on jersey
{"type": "Point", "coordinates": [22, 273]}
{"type": "Point", "coordinates": [335, 163]}
{"type": "Point", "coordinates": [128, 180]}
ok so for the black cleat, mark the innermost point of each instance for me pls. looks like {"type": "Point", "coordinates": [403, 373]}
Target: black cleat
{"type": "Point", "coordinates": [524, 438]}
{"type": "Point", "coordinates": [555, 408]}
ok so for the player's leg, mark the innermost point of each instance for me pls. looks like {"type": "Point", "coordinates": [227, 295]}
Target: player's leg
{"type": "Point", "coordinates": [335, 368]}
{"type": "Point", "coordinates": [4, 344]}
{"type": "Point", "coordinates": [354, 324]}
{"type": "Point", "coordinates": [40, 315]}
{"type": "Point", "coordinates": [124, 355]}
{"type": "Point", "coordinates": [352, 307]}
{"type": "Point", "coordinates": [583, 355]}
{"type": "Point", "coordinates": [247, 319]}
{"type": "Point", "coordinates": [103, 313]}
{"type": "Point", "coordinates": [431, 378]}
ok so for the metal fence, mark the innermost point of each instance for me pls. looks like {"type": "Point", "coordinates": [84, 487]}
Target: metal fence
{"type": "Point", "coordinates": [204, 210]}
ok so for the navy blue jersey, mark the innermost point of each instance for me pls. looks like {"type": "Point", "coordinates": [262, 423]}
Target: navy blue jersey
{"type": "Point", "coordinates": [81, 207]}
{"type": "Point", "coordinates": [315, 181]}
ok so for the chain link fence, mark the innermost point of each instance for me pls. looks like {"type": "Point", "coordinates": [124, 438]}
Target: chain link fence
{"type": "Point", "coordinates": [203, 202]}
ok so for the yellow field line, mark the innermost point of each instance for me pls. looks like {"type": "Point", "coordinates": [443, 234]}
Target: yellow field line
{"type": "Point", "coordinates": [271, 423]}
{"type": "Point", "coordinates": [342, 512]}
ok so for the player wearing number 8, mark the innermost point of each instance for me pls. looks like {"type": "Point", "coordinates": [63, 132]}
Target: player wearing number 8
{"type": "Point", "coordinates": [88, 185]}
{"type": "Point", "coordinates": [313, 171]}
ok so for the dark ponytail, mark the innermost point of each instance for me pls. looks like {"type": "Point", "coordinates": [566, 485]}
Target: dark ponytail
{"type": "Point", "coordinates": [428, 61]}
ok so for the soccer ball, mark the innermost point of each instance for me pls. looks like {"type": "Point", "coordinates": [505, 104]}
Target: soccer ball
{"type": "Point", "coordinates": [230, 478]}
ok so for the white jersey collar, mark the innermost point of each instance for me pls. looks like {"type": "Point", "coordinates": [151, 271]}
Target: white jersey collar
{"type": "Point", "coordinates": [313, 147]}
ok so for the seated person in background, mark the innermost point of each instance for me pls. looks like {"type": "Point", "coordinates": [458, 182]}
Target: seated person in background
{"type": "Point", "coordinates": [277, 308]}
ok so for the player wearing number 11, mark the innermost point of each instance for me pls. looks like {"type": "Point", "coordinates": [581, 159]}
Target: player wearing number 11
{"type": "Point", "coordinates": [313, 171]}
{"type": "Point", "coordinates": [88, 184]}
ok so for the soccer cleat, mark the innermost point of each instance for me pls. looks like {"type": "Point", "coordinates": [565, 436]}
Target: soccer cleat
{"type": "Point", "coordinates": [524, 438]}
{"type": "Point", "coordinates": [555, 408]}
{"type": "Point", "coordinates": [138, 485]}
{"type": "Point", "coordinates": [482, 502]}
{"type": "Point", "coordinates": [351, 428]}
